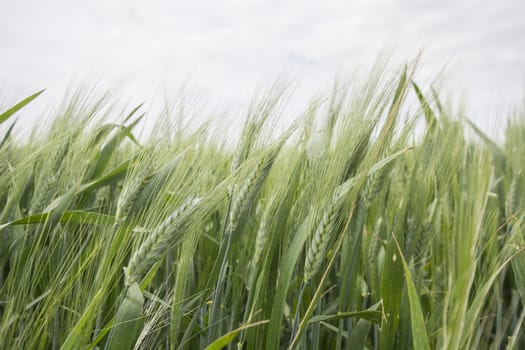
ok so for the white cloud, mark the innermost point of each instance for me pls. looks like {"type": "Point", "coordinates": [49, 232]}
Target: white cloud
{"type": "Point", "coordinates": [228, 47]}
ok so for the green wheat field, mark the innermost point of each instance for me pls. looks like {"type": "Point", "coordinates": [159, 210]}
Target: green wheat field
{"type": "Point", "coordinates": [361, 224]}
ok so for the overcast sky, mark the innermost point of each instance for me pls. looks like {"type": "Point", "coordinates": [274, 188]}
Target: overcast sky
{"type": "Point", "coordinates": [226, 48]}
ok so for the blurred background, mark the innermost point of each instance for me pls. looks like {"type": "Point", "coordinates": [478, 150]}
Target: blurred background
{"type": "Point", "coordinates": [223, 50]}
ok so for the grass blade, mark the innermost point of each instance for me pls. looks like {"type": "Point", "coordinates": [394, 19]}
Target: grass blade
{"type": "Point", "coordinates": [7, 134]}
{"type": "Point", "coordinates": [372, 316]}
{"type": "Point", "coordinates": [7, 114]}
{"type": "Point", "coordinates": [128, 320]}
{"type": "Point", "coordinates": [227, 338]}
{"type": "Point", "coordinates": [73, 216]}
{"type": "Point", "coordinates": [419, 330]}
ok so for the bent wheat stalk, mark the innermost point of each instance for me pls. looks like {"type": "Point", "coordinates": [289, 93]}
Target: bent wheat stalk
{"type": "Point", "coordinates": [157, 243]}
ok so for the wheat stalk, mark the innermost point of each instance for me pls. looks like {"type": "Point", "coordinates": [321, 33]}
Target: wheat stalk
{"type": "Point", "coordinates": [262, 237]}
{"type": "Point", "coordinates": [45, 193]}
{"type": "Point", "coordinates": [245, 144]}
{"type": "Point", "coordinates": [320, 240]}
{"type": "Point", "coordinates": [130, 193]}
{"type": "Point", "coordinates": [245, 196]}
{"type": "Point", "coordinates": [374, 246]}
{"type": "Point", "coordinates": [154, 247]}
{"type": "Point", "coordinates": [512, 202]}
